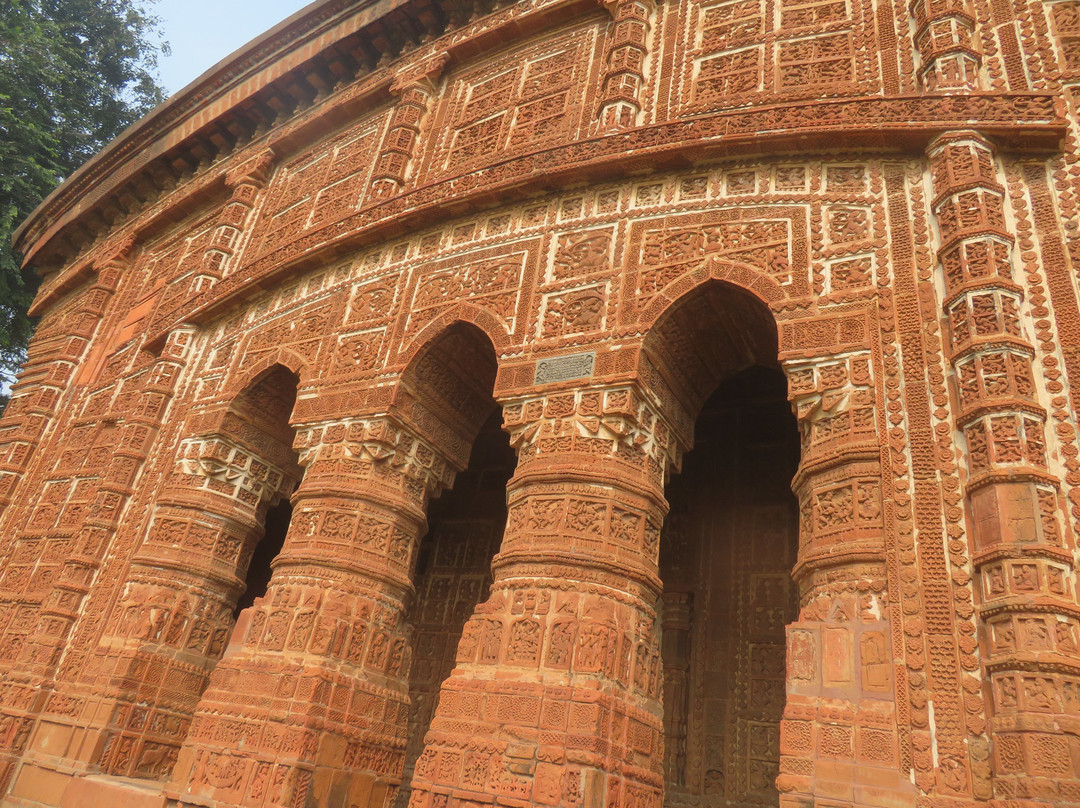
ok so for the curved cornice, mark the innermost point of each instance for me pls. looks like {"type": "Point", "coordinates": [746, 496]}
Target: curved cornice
{"type": "Point", "coordinates": [237, 77]}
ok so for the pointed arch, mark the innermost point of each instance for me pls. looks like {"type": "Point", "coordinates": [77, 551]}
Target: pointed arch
{"type": "Point", "coordinates": [451, 377]}
{"type": "Point", "coordinates": [470, 313]}
{"type": "Point", "coordinates": [757, 283]}
{"type": "Point", "coordinates": [707, 327]}
{"type": "Point", "coordinates": [248, 374]}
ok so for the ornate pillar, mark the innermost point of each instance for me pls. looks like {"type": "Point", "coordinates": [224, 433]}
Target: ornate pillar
{"type": "Point", "coordinates": [128, 710]}
{"type": "Point", "coordinates": [838, 736]}
{"type": "Point", "coordinates": [555, 699]}
{"type": "Point", "coordinates": [625, 51]}
{"type": "Point", "coordinates": [1022, 557]}
{"type": "Point", "coordinates": [175, 612]}
{"type": "Point", "coordinates": [415, 90]}
{"type": "Point", "coordinates": [310, 703]}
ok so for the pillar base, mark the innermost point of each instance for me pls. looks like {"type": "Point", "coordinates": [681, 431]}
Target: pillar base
{"type": "Point", "coordinates": [37, 786]}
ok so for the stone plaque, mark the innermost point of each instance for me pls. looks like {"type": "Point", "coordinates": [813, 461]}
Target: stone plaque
{"type": "Point", "coordinates": [564, 368]}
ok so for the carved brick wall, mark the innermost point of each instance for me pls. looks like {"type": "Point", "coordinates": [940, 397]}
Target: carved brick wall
{"type": "Point", "coordinates": [376, 234]}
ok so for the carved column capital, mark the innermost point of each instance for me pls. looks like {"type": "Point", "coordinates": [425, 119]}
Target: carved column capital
{"type": "Point", "coordinates": [618, 422]}
{"type": "Point", "coordinates": [834, 404]}
{"type": "Point", "coordinates": [381, 447]}
{"type": "Point", "coordinates": [225, 467]}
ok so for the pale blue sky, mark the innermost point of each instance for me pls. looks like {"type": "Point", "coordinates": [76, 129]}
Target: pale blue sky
{"type": "Point", "coordinates": [203, 32]}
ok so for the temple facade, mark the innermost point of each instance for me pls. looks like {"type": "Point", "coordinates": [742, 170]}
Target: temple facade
{"type": "Point", "coordinates": [624, 404]}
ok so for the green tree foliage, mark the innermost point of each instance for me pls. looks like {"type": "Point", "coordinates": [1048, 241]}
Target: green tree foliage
{"type": "Point", "coordinates": [73, 75]}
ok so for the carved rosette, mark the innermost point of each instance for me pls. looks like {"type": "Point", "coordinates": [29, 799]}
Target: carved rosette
{"type": "Point", "coordinates": [1026, 605]}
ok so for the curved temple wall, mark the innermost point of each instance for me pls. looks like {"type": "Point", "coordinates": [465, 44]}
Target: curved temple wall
{"type": "Point", "coordinates": [319, 272]}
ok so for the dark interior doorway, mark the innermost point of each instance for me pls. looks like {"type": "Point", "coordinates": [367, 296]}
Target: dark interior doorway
{"type": "Point", "coordinates": [453, 574]}
{"type": "Point", "coordinates": [258, 573]}
{"type": "Point", "coordinates": [726, 555]}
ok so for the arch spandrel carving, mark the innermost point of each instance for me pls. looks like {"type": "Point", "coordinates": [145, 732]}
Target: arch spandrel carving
{"type": "Point", "coordinates": [766, 247]}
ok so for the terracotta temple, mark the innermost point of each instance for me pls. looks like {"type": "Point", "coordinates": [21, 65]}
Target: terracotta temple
{"type": "Point", "coordinates": [561, 403]}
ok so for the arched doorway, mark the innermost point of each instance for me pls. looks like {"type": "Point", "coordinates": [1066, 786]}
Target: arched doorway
{"type": "Point", "coordinates": [453, 379]}
{"type": "Point", "coordinates": [727, 550]}
{"type": "Point", "coordinates": [338, 603]}
{"type": "Point", "coordinates": [453, 574]}
{"type": "Point", "coordinates": [266, 406]}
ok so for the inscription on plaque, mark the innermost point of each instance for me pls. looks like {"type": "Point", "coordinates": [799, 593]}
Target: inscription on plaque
{"type": "Point", "coordinates": [564, 368]}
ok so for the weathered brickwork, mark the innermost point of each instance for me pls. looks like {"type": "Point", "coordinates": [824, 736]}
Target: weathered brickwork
{"type": "Point", "coordinates": [670, 404]}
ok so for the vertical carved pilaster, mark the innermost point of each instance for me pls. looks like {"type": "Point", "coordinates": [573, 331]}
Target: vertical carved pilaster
{"type": "Point", "coordinates": [568, 641]}
{"type": "Point", "coordinates": [839, 732]}
{"type": "Point", "coordinates": [946, 39]}
{"type": "Point", "coordinates": [234, 224]}
{"type": "Point", "coordinates": [1022, 552]}
{"type": "Point", "coordinates": [55, 353]}
{"type": "Point", "coordinates": [174, 615]}
{"type": "Point", "coordinates": [176, 608]}
{"type": "Point", "coordinates": [625, 52]}
{"type": "Point", "coordinates": [245, 182]}
{"type": "Point", "coordinates": [415, 90]}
